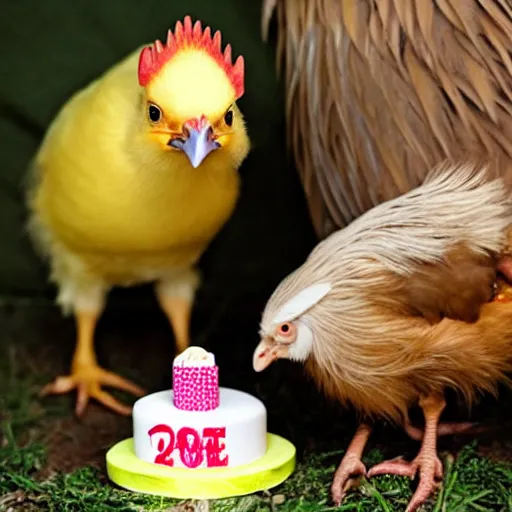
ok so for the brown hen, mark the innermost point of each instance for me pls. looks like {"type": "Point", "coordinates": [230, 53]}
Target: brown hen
{"type": "Point", "coordinates": [380, 91]}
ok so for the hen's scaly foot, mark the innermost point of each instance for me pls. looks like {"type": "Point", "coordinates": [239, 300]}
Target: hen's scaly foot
{"type": "Point", "coordinates": [348, 475]}
{"type": "Point", "coordinates": [88, 379]}
{"type": "Point", "coordinates": [351, 468]}
{"type": "Point", "coordinates": [431, 474]}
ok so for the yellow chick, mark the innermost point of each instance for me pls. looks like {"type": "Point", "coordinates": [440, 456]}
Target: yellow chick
{"type": "Point", "coordinates": [136, 175]}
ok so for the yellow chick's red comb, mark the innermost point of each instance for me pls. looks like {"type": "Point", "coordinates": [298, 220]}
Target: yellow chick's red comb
{"type": "Point", "coordinates": [185, 37]}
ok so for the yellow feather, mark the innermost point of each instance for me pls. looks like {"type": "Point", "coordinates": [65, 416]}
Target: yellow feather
{"type": "Point", "coordinates": [185, 94]}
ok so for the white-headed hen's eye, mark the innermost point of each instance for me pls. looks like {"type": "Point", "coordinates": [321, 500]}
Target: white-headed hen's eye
{"type": "Point", "coordinates": [286, 331]}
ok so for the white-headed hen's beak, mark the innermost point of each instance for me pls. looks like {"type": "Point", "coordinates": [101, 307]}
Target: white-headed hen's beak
{"type": "Point", "coordinates": [266, 353]}
{"type": "Point", "coordinates": [197, 141]}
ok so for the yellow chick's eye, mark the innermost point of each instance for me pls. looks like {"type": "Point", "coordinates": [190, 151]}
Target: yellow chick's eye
{"type": "Point", "coordinates": [228, 117]}
{"type": "Point", "coordinates": [154, 113]}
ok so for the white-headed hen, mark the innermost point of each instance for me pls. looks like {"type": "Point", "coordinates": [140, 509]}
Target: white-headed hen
{"type": "Point", "coordinates": [399, 306]}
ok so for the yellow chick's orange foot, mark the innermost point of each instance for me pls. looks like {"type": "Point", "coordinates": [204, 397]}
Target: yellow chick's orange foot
{"type": "Point", "coordinates": [87, 379]}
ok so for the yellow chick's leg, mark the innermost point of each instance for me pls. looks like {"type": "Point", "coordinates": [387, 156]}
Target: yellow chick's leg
{"type": "Point", "coordinates": [175, 295]}
{"type": "Point", "coordinates": [86, 376]}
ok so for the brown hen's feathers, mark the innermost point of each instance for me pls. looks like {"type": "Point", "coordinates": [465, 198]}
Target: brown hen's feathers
{"type": "Point", "coordinates": [380, 91]}
{"type": "Point", "coordinates": [403, 276]}
{"type": "Point", "coordinates": [455, 288]}
{"type": "Point", "coordinates": [390, 372]}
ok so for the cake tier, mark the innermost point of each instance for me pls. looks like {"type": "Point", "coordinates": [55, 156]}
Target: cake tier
{"type": "Point", "coordinates": [195, 380]}
{"type": "Point", "coordinates": [196, 388]}
{"type": "Point", "coordinates": [233, 434]}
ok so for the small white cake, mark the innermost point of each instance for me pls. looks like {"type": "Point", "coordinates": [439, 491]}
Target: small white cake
{"type": "Point", "coordinates": [197, 424]}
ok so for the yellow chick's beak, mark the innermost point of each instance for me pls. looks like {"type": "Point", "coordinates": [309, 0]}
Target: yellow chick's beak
{"type": "Point", "coordinates": [267, 352]}
{"type": "Point", "coordinates": [197, 140]}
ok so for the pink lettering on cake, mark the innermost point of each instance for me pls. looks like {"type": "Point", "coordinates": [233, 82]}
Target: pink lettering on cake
{"type": "Point", "coordinates": [192, 447]}
{"type": "Point", "coordinates": [164, 449]}
{"type": "Point", "coordinates": [214, 447]}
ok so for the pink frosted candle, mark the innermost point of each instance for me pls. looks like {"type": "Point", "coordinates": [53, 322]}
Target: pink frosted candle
{"type": "Point", "coordinates": [195, 380]}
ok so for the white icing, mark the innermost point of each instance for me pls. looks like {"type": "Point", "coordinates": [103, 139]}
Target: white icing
{"type": "Point", "coordinates": [195, 356]}
{"type": "Point", "coordinates": [243, 416]}
{"type": "Point", "coordinates": [301, 302]}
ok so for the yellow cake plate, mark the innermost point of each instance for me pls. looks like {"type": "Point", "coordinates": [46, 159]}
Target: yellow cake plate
{"type": "Point", "coordinates": [127, 471]}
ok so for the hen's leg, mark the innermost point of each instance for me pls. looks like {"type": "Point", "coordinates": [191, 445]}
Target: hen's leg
{"type": "Point", "coordinates": [351, 467]}
{"type": "Point", "coordinates": [427, 461]}
{"type": "Point", "coordinates": [445, 429]}
{"type": "Point", "coordinates": [86, 376]}
{"type": "Point", "coordinates": [176, 296]}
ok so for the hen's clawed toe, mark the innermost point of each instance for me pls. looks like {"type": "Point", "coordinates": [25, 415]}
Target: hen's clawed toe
{"type": "Point", "coordinates": [87, 380]}
{"type": "Point", "coordinates": [348, 475]}
{"type": "Point", "coordinates": [431, 474]}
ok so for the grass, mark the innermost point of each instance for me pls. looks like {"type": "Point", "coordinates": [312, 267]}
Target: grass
{"type": "Point", "coordinates": [472, 482]}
